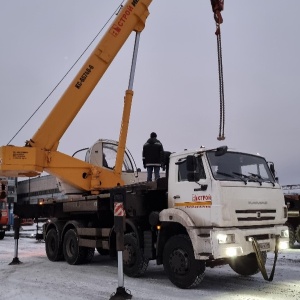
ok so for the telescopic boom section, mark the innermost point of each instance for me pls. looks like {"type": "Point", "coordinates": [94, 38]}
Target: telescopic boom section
{"type": "Point", "coordinates": [132, 17]}
{"type": "Point", "coordinates": [40, 152]}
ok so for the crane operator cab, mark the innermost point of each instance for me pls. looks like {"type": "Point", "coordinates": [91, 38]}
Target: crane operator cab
{"type": "Point", "coordinates": [103, 154]}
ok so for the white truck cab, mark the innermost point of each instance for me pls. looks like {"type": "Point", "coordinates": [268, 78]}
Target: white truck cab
{"type": "Point", "coordinates": [225, 199]}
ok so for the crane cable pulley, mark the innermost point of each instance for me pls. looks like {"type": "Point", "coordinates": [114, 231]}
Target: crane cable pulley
{"type": "Point", "coordinates": [217, 7]}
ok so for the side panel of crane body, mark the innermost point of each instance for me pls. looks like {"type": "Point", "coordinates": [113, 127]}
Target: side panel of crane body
{"type": "Point", "coordinates": [208, 208]}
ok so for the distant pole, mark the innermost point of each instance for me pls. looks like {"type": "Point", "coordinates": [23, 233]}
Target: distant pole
{"type": "Point", "coordinates": [117, 197]}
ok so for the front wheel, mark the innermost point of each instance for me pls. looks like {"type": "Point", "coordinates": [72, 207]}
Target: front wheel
{"type": "Point", "coordinates": [247, 265]}
{"type": "Point", "coordinates": [180, 264]}
{"type": "Point", "coordinates": [297, 234]}
{"type": "Point", "coordinates": [292, 235]}
{"type": "Point", "coordinates": [135, 265]}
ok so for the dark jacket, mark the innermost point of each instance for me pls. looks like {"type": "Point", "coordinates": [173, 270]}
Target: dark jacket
{"type": "Point", "coordinates": [153, 153]}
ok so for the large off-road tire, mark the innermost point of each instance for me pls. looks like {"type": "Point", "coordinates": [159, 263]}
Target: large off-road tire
{"type": "Point", "coordinates": [297, 234]}
{"type": "Point", "coordinates": [73, 254]}
{"type": "Point", "coordinates": [180, 264]}
{"type": "Point", "coordinates": [53, 246]}
{"type": "Point", "coordinates": [2, 234]}
{"type": "Point", "coordinates": [292, 235]}
{"type": "Point", "coordinates": [134, 263]}
{"type": "Point", "coordinates": [246, 265]}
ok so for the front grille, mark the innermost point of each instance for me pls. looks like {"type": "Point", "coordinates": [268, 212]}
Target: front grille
{"type": "Point", "coordinates": [256, 219]}
{"type": "Point", "coordinates": [255, 215]}
{"type": "Point", "coordinates": [249, 211]}
{"type": "Point", "coordinates": [259, 237]}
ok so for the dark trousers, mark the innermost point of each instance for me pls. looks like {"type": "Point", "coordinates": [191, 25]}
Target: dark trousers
{"type": "Point", "coordinates": [150, 170]}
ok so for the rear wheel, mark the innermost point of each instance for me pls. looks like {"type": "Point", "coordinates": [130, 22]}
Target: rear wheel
{"type": "Point", "coordinates": [135, 264]}
{"type": "Point", "coordinates": [2, 234]}
{"type": "Point", "coordinates": [247, 265]}
{"type": "Point", "coordinates": [53, 245]}
{"type": "Point", "coordinates": [74, 255]}
{"type": "Point", "coordinates": [180, 264]}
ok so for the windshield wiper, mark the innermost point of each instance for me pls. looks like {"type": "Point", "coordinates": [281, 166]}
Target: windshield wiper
{"type": "Point", "coordinates": [261, 179]}
{"type": "Point", "coordinates": [249, 178]}
{"type": "Point", "coordinates": [232, 176]}
{"type": "Point", "coordinates": [243, 177]}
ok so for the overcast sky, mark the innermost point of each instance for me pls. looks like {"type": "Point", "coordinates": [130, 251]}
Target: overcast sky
{"type": "Point", "coordinates": [176, 83]}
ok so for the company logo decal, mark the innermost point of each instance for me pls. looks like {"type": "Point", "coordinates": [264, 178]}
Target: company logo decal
{"type": "Point", "coordinates": [198, 201]}
{"type": "Point", "coordinates": [117, 26]}
{"type": "Point", "coordinates": [196, 198]}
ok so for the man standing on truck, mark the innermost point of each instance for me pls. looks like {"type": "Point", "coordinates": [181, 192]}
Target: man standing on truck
{"type": "Point", "coordinates": [153, 156]}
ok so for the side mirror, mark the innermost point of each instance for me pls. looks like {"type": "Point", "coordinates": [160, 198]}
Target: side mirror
{"type": "Point", "coordinates": [272, 168]}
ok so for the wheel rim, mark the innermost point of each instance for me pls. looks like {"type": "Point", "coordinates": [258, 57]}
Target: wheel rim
{"type": "Point", "coordinates": [71, 248]}
{"type": "Point", "coordinates": [179, 261]}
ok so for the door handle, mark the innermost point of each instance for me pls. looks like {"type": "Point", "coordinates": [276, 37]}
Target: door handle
{"type": "Point", "coordinates": [176, 197]}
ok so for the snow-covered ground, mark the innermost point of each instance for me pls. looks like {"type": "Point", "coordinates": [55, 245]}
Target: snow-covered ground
{"type": "Point", "coordinates": [38, 278]}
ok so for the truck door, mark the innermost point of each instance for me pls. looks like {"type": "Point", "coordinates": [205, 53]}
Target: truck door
{"type": "Point", "coordinates": [191, 189]}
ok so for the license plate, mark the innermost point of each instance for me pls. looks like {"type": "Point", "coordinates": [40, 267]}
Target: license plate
{"type": "Point", "coordinates": [264, 246]}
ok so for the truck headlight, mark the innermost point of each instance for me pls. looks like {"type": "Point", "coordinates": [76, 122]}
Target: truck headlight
{"type": "Point", "coordinates": [283, 245]}
{"type": "Point", "coordinates": [284, 233]}
{"type": "Point", "coordinates": [226, 238]}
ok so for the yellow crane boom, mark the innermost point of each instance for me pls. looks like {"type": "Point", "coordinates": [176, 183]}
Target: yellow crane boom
{"type": "Point", "coordinates": [40, 152]}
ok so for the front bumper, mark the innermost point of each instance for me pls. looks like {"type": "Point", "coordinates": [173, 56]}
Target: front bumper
{"type": "Point", "coordinates": [241, 244]}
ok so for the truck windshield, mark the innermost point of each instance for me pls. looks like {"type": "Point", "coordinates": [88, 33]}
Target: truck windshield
{"type": "Point", "coordinates": [234, 166]}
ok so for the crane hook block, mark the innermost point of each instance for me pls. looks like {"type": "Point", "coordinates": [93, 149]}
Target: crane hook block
{"type": "Point", "coordinates": [217, 7]}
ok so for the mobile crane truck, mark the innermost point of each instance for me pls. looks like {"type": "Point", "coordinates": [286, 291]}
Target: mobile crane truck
{"type": "Point", "coordinates": [213, 207]}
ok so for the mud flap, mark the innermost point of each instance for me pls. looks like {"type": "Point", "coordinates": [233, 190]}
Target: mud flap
{"type": "Point", "coordinates": [259, 258]}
